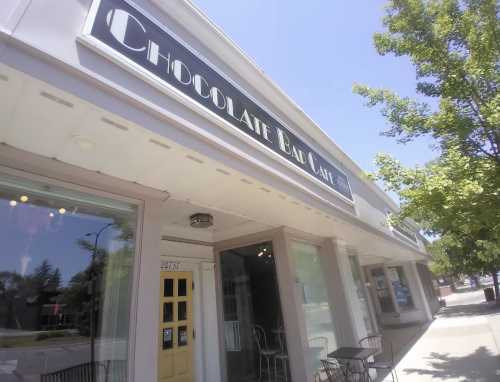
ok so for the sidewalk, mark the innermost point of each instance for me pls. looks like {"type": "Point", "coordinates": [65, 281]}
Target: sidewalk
{"type": "Point", "coordinates": [461, 345]}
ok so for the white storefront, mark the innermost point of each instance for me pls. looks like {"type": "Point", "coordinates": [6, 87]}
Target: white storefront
{"type": "Point", "coordinates": [119, 122]}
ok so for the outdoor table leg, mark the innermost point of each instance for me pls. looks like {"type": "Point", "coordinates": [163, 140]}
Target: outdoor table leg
{"type": "Point", "coordinates": [347, 369]}
{"type": "Point", "coordinates": [366, 372]}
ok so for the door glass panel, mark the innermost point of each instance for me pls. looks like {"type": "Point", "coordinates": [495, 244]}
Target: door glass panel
{"type": "Point", "coordinates": [182, 287]}
{"type": "Point", "coordinates": [66, 266]}
{"type": "Point", "coordinates": [382, 290]}
{"type": "Point", "coordinates": [168, 311]}
{"type": "Point", "coordinates": [311, 285]}
{"type": "Point", "coordinates": [181, 311]}
{"type": "Point", "coordinates": [252, 309]}
{"type": "Point", "coordinates": [182, 336]}
{"type": "Point", "coordinates": [168, 288]}
{"type": "Point", "coordinates": [168, 340]}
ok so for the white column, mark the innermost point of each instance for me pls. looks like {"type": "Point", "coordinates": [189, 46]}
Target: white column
{"type": "Point", "coordinates": [335, 266]}
{"type": "Point", "coordinates": [351, 293]}
{"type": "Point", "coordinates": [147, 296]}
{"type": "Point", "coordinates": [420, 291]}
{"type": "Point", "coordinates": [296, 337]}
{"type": "Point", "coordinates": [211, 350]}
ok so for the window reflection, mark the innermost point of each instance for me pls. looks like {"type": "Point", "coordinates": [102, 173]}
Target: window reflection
{"type": "Point", "coordinates": [401, 288]}
{"type": "Point", "coordinates": [311, 284]}
{"type": "Point", "coordinates": [361, 293]}
{"type": "Point", "coordinates": [50, 273]}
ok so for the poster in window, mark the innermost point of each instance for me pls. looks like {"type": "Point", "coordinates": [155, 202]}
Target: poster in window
{"type": "Point", "coordinates": [182, 336]}
{"type": "Point", "coordinates": [168, 341]}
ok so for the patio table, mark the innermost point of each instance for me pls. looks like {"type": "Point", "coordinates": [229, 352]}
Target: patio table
{"type": "Point", "coordinates": [350, 354]}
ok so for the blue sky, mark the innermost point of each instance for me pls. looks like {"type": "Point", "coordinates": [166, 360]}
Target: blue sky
{"type": "Point", "coordinates": [315, 51]}
{"type": "Point", "coordinates": [29, 236]}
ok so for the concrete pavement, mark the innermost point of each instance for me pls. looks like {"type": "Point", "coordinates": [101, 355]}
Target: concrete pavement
{"type": "Point", "coordinates": [461, 345]}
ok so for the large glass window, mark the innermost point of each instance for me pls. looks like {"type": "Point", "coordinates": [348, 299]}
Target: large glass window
{"type": "Point", "coordinates": [360, 291]}
{"type": "Point", "coordinates": [66, 262]}
{"type": "Point", "coordinates": [401, 288]}
{"type": "Point", "coordinates": [311, 284]}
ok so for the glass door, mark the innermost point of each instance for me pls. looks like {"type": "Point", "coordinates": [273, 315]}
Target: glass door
{"type": "Point", "coordinates": [383, 293]}
{"type": "Point", "coordinates": [253, 325]}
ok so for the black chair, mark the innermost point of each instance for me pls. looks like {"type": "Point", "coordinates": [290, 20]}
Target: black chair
{"type": "Point", "coordinates": [265, 353]}
{"type": "Point", "coordinates": [334, 370]}
{"type": "Point", "coordinates": [376, 341]}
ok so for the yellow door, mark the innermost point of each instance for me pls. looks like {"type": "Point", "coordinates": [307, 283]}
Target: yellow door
{"type": "Point", "coordinates": [175, 363]}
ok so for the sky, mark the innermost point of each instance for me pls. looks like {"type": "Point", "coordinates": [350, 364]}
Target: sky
{"type": "Point", "coordinates": [30, 235]}
{"type": "Point", "coordinates": [315, 51]}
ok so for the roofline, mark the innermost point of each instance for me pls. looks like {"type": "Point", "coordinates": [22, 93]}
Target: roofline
{"type": "Point", "coordinates": [309, 127]}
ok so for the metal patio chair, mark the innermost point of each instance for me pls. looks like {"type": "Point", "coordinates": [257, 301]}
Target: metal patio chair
{"type": "Point", "coordinates": [334, 370]}
{"type": "Point", "coordinates": [265, 353]}
{"type": "Point", "coordinates": [376, 341]}
{"type": "Point", "coordinates": [281, 356]}
{"type": "Point", "coordinates": [321, 342]}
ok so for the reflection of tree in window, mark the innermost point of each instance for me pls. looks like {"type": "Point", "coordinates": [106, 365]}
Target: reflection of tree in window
{"type": "Point", "coordinates": [34, 290]}
{"type": "Point", "coordinates": [54, 306]}
{"type": "Point", "coordinates": [308, 268]}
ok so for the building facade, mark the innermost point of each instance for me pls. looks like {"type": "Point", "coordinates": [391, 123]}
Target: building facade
{"type": "Point", "coordinates": [169, 214]}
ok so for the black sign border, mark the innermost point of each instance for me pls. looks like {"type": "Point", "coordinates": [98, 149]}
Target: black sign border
{"type": "Point", "coordinates": [160, 84]}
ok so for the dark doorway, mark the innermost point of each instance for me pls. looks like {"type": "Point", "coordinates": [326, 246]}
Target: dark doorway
{"type": "Point", "coordinates": [253, 322]}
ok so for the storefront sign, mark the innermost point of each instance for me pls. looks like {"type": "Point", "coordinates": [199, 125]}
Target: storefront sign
{"type": "Point", "coordinates": [154, 52]}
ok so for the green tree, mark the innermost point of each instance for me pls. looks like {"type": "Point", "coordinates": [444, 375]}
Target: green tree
{"type": "Point", "coordinates": [109, 270]}
{"type": "Point", "coordinates": [455, 48]}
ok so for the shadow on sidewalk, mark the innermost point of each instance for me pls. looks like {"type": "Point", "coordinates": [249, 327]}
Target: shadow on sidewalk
{"type": "Point", "coordinates": [402, 339]}
{"type": "Point", "coordinates": [469, 310]}
{"type": "Point", "coordinates": [480, 365]}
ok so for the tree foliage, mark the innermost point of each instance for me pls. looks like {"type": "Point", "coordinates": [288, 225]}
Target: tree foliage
{"type": "Point", "coordinates": [455, 48]}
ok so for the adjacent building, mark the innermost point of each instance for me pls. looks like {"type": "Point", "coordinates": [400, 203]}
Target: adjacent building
{"type": "Point", "coordinates": [167, 211]}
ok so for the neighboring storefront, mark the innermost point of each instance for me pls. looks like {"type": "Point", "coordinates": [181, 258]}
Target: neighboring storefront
{"type": "Point", "coordinates": [168, 213]}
